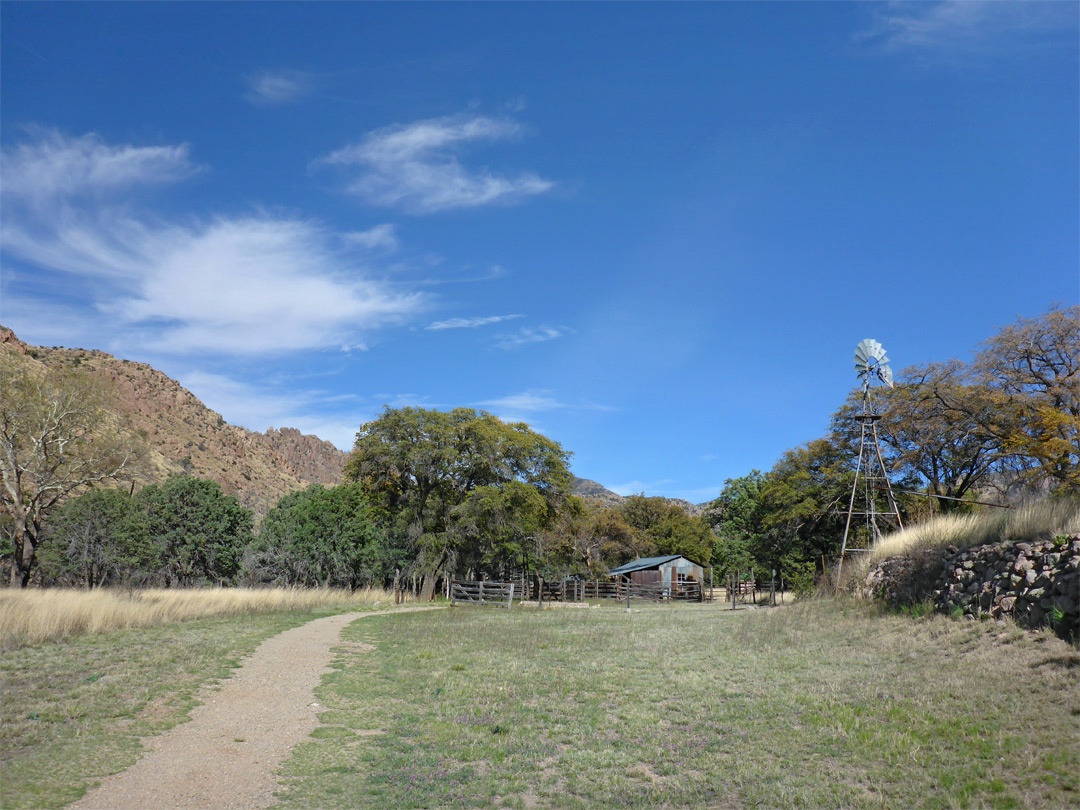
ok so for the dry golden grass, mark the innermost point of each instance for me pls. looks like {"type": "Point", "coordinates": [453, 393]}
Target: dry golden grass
{"type": "Point", "coordinates": [35, 616]}
{"type": "Point", "coordinates": [1032, 521]}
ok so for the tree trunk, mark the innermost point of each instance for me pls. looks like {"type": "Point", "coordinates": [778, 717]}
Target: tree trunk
{"type": "Point", "coordinates": [427, 592]}
{"type": "Point", "coordinates": [23, 559]}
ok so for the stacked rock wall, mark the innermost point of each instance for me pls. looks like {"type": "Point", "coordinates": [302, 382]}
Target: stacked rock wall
{"type": "Point", "coordinates": [1034, 583]}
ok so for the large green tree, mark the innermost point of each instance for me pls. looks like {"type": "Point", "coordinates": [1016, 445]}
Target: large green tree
{"type": "Point", "coordinates": [322, 537]}
{"type": "Point", "coordinates": [1031, 372]}
{"type": "Point", "coordinates": [737, 517]}
{"type": "Point", "coordinates": [590, 538]}
{"type": "Point", "coordinates": [200, 532]}
{"type": "Point", "coordinates": [419, 466]}
{"type": "Point", "coordinates": [930, 443]}
{"type": "Point", "coordinates": [805, 502]}
{"type": "Point", "coordinates": [668, 528]}
{"type": "Point", "coordinates": [97, 539]}
{"type": "Point", "coordinates": [499, 528]}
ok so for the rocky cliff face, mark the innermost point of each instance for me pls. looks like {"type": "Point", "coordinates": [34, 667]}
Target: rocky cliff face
{"type": "Point", "coordinates": [183, 435]}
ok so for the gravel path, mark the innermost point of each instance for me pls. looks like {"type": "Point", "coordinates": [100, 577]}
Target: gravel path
{"type": "Point", "coordinates": [225, 756]}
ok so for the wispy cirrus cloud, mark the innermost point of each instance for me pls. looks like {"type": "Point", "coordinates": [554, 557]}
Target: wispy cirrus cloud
{"type": "Point", "coordinates": [275, 87]}
{"type": "Point", "coordinates": [470, 323]}
{"type": "Point", "coordinates": [530, 335]}
{"type": "Point", "coordinates": [960, 28]}
{"type": "Point", "coordinates": [416, 167]}
{"type": "Point", "coordinates": [50, 166]}
{"type": "Point", "coordinates": [381, 237]}
{"type": "Point", "coordinates": [230, 285]}
{"type": "Point", "coordinates": [530, 401]}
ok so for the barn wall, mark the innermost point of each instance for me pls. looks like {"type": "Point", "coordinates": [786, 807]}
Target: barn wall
{"type": "Point", "coordinates": [671, 570]}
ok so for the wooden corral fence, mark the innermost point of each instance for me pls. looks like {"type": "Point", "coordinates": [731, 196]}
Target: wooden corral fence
{"type": "Point", "coordinates": [480, 592]}
{"type": "Point", "coordinates": [655, 592]}
{"type": "Point", "coordinates": [564, 590]}
{"type": "Point", "coordinates": [490, 592]}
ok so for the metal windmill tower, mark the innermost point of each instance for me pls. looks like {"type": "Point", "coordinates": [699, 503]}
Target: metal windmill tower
{"type": "Point", "coordinates": [871, 495]}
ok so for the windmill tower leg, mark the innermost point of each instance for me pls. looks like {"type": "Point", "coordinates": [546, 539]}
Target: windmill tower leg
{"type": "Point", "coordinates": [870, 364]}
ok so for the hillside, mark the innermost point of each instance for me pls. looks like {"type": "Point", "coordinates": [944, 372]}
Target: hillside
{"type": "Point", "coordinates": [593, 491]}
{"type": "Point", "coordinates": [182, 435]}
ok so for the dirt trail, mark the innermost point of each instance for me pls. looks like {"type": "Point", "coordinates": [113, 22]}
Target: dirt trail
{"type": "Point", "coordinates": [225, 756]}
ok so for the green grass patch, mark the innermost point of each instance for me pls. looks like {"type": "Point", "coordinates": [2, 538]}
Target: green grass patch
{"type": "Point", "coordinates": [76, 710]}
{"type": "Point", "coordinates": [829, 704]}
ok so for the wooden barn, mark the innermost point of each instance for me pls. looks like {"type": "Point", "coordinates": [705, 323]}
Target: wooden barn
{"type": "Point", "coordinates": [671, 571]}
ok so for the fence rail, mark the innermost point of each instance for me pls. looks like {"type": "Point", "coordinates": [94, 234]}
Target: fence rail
{"type": "Point", "coordinates": [483, 593]}
{"type": "Point", "coordinates": [655, 592]}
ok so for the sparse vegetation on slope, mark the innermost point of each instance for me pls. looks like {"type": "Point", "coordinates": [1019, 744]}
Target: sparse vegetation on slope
{"type": "Point", "coordinates": [183, 436]}
{"type": "Point", "coordinates": [1037, 520]}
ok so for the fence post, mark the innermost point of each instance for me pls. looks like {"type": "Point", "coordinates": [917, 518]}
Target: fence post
{"type": "Point", "coordinates": [772, 588]}
{"type": "Point", "coordinates": [452, 594]}
{"type": "Point", "coordinates": [510, 601]}
{"type": "Point", "coordinates": [539, 592]}
{"type": "Point", "coordinates": [481, 593]}
{"type": "Point", "coordinates": [627, 597]}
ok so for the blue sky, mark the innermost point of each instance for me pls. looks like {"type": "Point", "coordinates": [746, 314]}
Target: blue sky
{"type": "Point", "coordinates": [655, 232]}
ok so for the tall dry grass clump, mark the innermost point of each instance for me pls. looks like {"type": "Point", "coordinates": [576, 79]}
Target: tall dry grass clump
{"type": "Point", "coordinates": [1031, 521]}
{"type": "Point", "coordinates": [34, 616]}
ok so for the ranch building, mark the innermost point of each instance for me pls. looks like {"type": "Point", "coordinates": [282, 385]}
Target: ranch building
{"type": "Point", "coordinates": [671, 571]}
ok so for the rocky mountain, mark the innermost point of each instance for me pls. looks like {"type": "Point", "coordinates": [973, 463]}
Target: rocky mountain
{"type": "Point", "coordinates": [182, 435]}
{"type": "Point", "coordinates": [593, 491]}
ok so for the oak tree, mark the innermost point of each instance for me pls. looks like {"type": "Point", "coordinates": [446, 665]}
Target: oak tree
{"type": "Point", "coordinates": [57, 436]}
{"type": "Point", "coordinates": [418, 466]}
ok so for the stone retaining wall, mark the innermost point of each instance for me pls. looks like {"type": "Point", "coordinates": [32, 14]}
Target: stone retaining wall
{"type": "Point", "coordinates": [1034, 583]}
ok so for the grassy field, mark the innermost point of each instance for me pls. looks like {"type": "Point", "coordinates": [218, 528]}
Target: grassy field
{"type": "Point", "coordinates": [819, 705]}
{"type": "Point", "coordinates": [80, 707]}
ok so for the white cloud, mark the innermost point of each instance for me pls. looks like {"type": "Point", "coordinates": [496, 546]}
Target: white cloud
{"type": "Point", "coordinates": [381, 237]}
{"type": "Point", "coordinates": [416, 167]}
{"type": "Point", "coordinates": [51, 166]}
{"type": "Point", "coordinates": [525, 402]}
{"type": "Point", "coordinates": [230, 285]}
{"type": "Point", "coordinates": [529, 335]}
{"type": "Point", "coordinates": [278, 87]}
{"type": "Point", "coordinates": [953, 28]}
{"type": "Point", "coordinates": [470, 323]}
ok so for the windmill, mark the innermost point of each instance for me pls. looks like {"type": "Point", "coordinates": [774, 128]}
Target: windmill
{"type": "Point", "coordinates": [872, 498]}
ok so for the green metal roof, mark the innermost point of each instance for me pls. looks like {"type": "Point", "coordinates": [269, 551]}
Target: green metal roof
{"type": "Point", "coordinates": [645, 563]}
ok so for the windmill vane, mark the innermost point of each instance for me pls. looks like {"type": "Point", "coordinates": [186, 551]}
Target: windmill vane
{"type": "Point", "coordinates": [870, 360]}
